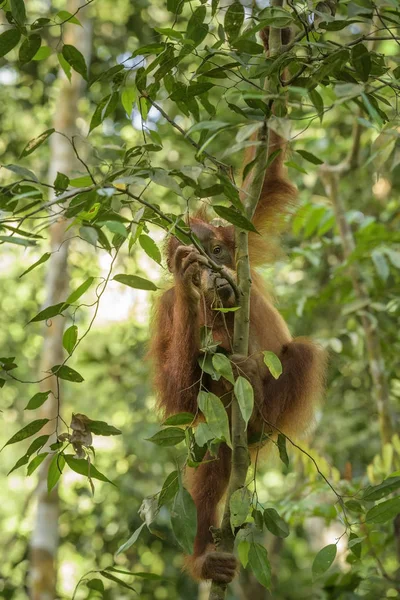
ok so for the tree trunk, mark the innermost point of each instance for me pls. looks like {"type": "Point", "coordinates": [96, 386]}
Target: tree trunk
{"type": "Point", "coordinates": [44, 540]}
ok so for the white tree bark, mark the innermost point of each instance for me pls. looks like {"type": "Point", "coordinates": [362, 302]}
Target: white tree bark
{"type": "Point", "coordinates": [45, 536]}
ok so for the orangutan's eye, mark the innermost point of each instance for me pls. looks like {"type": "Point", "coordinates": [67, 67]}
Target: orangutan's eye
{"type": "Point", "coordinates": [217, 250]}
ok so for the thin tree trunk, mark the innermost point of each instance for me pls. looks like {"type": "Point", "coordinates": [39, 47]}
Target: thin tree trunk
{"type": "Point", "coordinates": [45, 538]}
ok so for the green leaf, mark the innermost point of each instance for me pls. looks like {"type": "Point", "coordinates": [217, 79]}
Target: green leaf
{"type": "Point", "coordinates": [49, 312]}
{"type": "Point", "coordinates": [183, 418]}
{"type": "Point", "coordinates": [222, 365]}
{"type": "Point", "coordinates": [245, 396]}
{"type": "Point", "coordinates": [310, 157]}
{"type": "Point", "coordinates": [20, 463]}
{"type": "Point", "coordinates": [239, 503]}
{"type": "Point", "coordinates": [17, 240]}
{"type": "Point", "coordinates": [150, 247]}
{"type": "Point", "coordinates": [385, 511]}
{"type": "Point", "coordinates": [74, 296]}
{"type": "Point", "coordinates": [66, 16]}
{"type": "Point", "coordinates": [184, 520]}
{"type": "Point", "coordinates": [83, 181]}
{"type": "Point", "coordinates": [203, 434]}
{"type": "Point", "coordinates": [234, 217]}
{"type": "Point", "coordinates": [324, 559]}
{"type": "Point", "coordinates": [128, 97]}
{"type": "Point", "coordinates": [196, 29]}
{"type": "Point", "coordinates": [22, 172]}
{"type": "Point", "coordinates": [233, 21]}
{"type": "Point", "coordinates": [75, 58]}
{"type": "Point", "coordinates": [61, 182]}
{"type": "Point", "coordinates": [134, 537]}
{"type": "Point", "coordinates": [243, 550]}
{"type": "Point", "coordinates": [169, 489]}
{"type": "Point", "coordinates": [136, 282]}
{"type": "Point", "coordinates": [117, 580]}
{"type": "Point", "coordinates": [354, 506]}
{"type": "Point", "coordinates": [36, 462]}
{"type": "Point", "coordinates": [70, 338]}
{"type": "Point", "coordinates": [385, 488]}
{"type": "Point", "coordinates": [27, 431]}
{"type": "Point", "coordinates": [55, 469]}
{"type": "Point", "coordinates": [373, 113]}
{"type": "Point", "coordinates": [96, 584]}
{"type": "Point", "coordinates": [216, 416]}
{"type": "Point", "coordinates": [381, 265]}
{"type": "Point", "coordinates": [228, 309]}
{"type": "Point", "coordinates": [67, 373]}
{"type": "Point", "coordinates": [317, 101]}
{"type": "Point", "coordinates": [102, 428]}
{"type": "Point", "coordinates": [17, 8]}
{"type": "Point", "coordinates": [66, 67]}
{"type": "Point", "coordinates": [281, 443]}
{"type": "Point", "coordinates": [37, 400]}
{"type": "Point", "coordinates": [160, 177]}
{"type": "Point", "coordinates": [35, 445]}
{"type": "Point", "coordinates": [43, 53]}
{"type": "Point", "coordinates": [168, 437]}
{"type": "Point", "coordinates": [83, 467]}
{"type": "Point", "coordinates": [8, 40]}
{"type": "Point", "coordinates": [248, 47]}
{"type": "Point", "coordinates": [259, 563]}
{"type": "Point", "coordinates": [105, 107]}
{"type": "Point", "coordinates": [361, 61]}
{"type": "Point", "coordinates": [275, 523]}
{"type": "Point", "coordinates": [41, 260]}
{"type": "Point", "coordinates": [273, 363]}
{"type": "Point", "coordinates": [209, 125]}
{"type": "Point", "coordinates": [29, 48]}
{"type": "Point", "coordinates": [36, 142]}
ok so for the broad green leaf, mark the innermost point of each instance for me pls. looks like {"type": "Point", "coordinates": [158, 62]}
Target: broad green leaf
{"type": "Point", "coordinates": [273, 363]}
{"type": "Point", "coordinates": [83, 467]}
{"type": "Point", "coordinates": [17, 240]}
{"type": "Point", "coordinates": [61, 182]}
{"type": "Point", "coordinates": [245, 396]}
{"type": "Point", "coordinates": [276, 17]}
{"type": "Point", "coordinates": [96, 584]}
{"type": "Point", "coordinates": [117, 580]}
{"type": "Point", "coordinates": [235, 217]}
{"type": "Point", "coordinates": [258, 519]}
{"type": "Point", "coordinates": [168, 437]}
{"type": "Point", "coordinates": [394, 257]}
{"type": "Point", "coordinates": [128, 97]}
{"type": "Point", "coordinates": [83, 181]}
{"type": "Point", "coordinates": [222, 365]}
{"type": "Point", "coordinates": [209, 125]}
{"type": "Point", "coordinates": [196, 29]}
{"type": "Point", "coordinates": [20, 463]}
{"type": "Point", "coordinates": [36, 445]}
{"type": "Point", "coordinates": [105, 107]}
{"type": "Point", "coordinates": [216, 416]}
{"type": "Point", "coordinates": [324, 559]}
{"type": "Point", "coordinates": [184, 520]}
{"type": "Point", "coordinates": [41, 260]}
{"type": "Point", "coordinates": [310, 157]}
{"type": "Point", "coordinates": [22, 172]}
{"type": "Point", "coordinates": [66, 67]}
{"type": "Point", "coordinates": [239, 503]}
{"type": "Point", "coordinates": [49, 312]}
{"type": "Point", "coordinates": [233, 21]}
{"type": "Point", "coordinates": [67, 17]}
{"type": "Point", "coordinates": [75, 58]}
{"type": "Point", "coordinates": [8, 40]}
{"type": "Point", "coordinates": [383, 489]}
{"type": "Point", "coordinates": [317, 101]}
{"type": "Point", "coordinates": [183, 418]}
{"type": "Point", "coordinates": [354, 506]}
{"type": "Point", "coordinates": [384, 511]}
{"type": "Point", "coordinates": [17, 8]}
{"type": "Point", "coordinates": [373, 113]}
{"type": "Point", "coordinates": [136, 282]}
{"type": "Point", "coordinates": [67, 373]}
{"type": "Point", "coordinates": [55, 469]}
{"type": "Point", "coordinates": [203, 434]}
{"type": "Point", "coordinates": [160, 177]}
{"type": "Point", "coordinates": [74, 296]}
{"type": "Point", "coordinates": [102, 428]}
{"type": "Point", "coordinates": [248, 47]}
{"type": "Point", "coordinates": [355, 544]}
{"type": "Point", "coordinates": [27, 431]}
{"type": "Point", "coordinates": [275, 523]}
{"type": "Point", "coordinates": [243, 550]}
{"type": "Point", "coordinates": [36, 462]}
{"type": "Point", "coordinates": [259, 564]}
{"type": "Point", "coordinates": [228, 309]}
{"type": "Point", "coordinates": [283, 455]}
{"type": "Point", "coordinates": [150, 247]}
{"type": "Point", "coordinates": [134, 537]}
{"type": "Point", "coordinates": [37, 400]}
{"type": "Point", "coordinates": [361, 61]}
{"type": "Point", "coordinates": [169, 489]}
{"type": "Point", "coordinates": [36, 142]}
{"type": "Point", "coordinates": [70, 338]}
{"type": "Point", "coordinates": [29, 48]}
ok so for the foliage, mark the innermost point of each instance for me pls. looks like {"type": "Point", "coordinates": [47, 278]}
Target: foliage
{"type": "Point", "coordinates": [175, 93]}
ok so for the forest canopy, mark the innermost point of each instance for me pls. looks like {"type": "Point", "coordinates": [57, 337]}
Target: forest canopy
{"type": "Point", "coordinates": [121, 121]}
